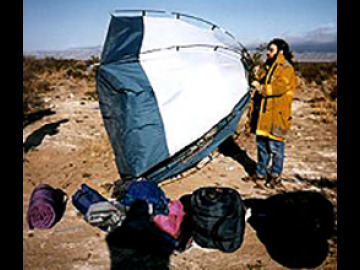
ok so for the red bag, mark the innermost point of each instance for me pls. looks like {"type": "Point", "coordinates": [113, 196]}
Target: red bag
{"type": "Point", "coordinates": [172, 222]}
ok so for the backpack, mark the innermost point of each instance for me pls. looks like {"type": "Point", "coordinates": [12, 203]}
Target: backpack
{"type": "Point", "coordinates": [148, 191]}
{"type": "Point", "coordinates": [218, 218]}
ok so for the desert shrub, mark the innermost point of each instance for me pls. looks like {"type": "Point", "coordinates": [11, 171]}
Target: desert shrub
{"type": "Point", "coordinates": [319, 82]}
{"type": "Point", "coordinates": [43, 75]}
{"type": "Point", "coordinates": [333, 93]}
{"type": "Point", "coordinates": [93, 94]}
{"type": "Point", "coordinates": [33, 94]}
{"type": "Point", "coordinates": [31, 98]}
{"type": "Point", "coordinates": [325, 111]}
{"type": "Point", "coordinates": [78, 73]}
{"type": "Point", "coordinates": [35, 84]}
{"type": "Point", "coordinates": [75, 73]}
{"type": "Point", "coordinates": [316, 72]}
{"type": "Point", "coordinates": [28, 75]}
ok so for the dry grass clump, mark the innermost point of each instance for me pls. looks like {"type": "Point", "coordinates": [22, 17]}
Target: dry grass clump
{"type": "Point", "coordinates": [324, 101]}
{"type": "Point", "coordinates": [41, 76]}
{"type": "Point", "coordinates": [317, 86]}
{"type": "Point", "coordinates": [329, 87]}
{"type": "Point", "coordinates": [320, 74]}
{"type": "Point", "coordinates": [325, 110]}
{"type": "Point", "coordinates": [316, 72]}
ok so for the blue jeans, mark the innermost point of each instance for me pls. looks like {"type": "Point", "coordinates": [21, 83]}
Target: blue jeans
{"type": "Point", "coordinates": [268, 149]}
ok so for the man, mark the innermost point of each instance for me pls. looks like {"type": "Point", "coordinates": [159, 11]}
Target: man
{"type": "Point", "coordinates": [269, 116]}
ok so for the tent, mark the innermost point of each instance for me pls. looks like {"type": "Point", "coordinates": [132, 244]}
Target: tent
{"type": "Point", "coordinates": [171, 88]}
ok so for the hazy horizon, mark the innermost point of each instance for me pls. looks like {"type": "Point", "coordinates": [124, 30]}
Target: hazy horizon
{"type": "Point", "coordinates": [61, 25]}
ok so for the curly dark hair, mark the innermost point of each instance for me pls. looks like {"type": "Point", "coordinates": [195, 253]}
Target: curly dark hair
{"type": "Point", "coordinates": [282, 45]}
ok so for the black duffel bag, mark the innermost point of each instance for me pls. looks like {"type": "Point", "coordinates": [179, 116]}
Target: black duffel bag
{"type": "Point", "coordinates": [218, 218]}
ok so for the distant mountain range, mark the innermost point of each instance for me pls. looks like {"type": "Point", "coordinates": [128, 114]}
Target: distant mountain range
{"type": "Point", "coordinates": [303, 52]}
{"type": "Point", "coordinates": [73, 53]}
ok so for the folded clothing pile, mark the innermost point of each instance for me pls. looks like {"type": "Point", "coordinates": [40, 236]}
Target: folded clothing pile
{"type": "Point", "coordinates": [46, 208]}
{"type": "Point", "coordinates": [106, 214]}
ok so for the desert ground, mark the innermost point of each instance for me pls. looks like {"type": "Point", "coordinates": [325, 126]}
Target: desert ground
{"type": "Point", "coordinates": [70, 146]}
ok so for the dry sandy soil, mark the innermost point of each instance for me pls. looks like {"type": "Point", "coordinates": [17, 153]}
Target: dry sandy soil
{"type": "Point", "coordinates": [79, 152]}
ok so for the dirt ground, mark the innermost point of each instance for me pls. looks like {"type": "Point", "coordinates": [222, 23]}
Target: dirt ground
{"type": "Point", "coordinates": [79, 152]}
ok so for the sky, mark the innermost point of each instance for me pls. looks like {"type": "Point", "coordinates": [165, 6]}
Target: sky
{"type": "Point", "coordinates": [67, 24]}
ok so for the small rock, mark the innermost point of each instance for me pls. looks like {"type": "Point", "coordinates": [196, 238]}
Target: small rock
{"type": "Point", "coordinates": [72, 213]}
{"type": "Point", "coordinates": [47, 99]}
{"type": "Point", "coordinates": [86, 175]}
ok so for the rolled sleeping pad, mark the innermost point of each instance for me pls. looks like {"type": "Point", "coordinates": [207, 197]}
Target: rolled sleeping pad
{"type": "Point", "coordinates": [46, 208]}
{"type": "Point", "coordinates": [84, 197]}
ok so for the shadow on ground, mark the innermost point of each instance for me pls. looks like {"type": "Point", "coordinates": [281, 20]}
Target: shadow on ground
{"type": "Point", "coordinates": [229, 148]}
{"type": "Point", "coordinates": [139, 244]}
{"type": "Point", "coordinates": [35, 138]}
{"type": "Point", "coordinates": [33, 117]}
{"type": "Point", "coordinates": [320, 183]}
{"type": "Point", "coordinates": [294, 227]}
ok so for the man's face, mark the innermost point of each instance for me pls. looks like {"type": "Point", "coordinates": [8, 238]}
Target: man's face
{"type": "Point", "coordinates": [272, 51]}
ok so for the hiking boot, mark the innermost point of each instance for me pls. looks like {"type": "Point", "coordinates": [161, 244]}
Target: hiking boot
{"type": "Point", "coordinates": [254, 178]}
{"type": "Point", "coordinates": [273, 182]}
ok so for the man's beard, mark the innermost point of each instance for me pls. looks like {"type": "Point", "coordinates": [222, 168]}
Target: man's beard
{"type": "Point", "coordinates": [270, 61]}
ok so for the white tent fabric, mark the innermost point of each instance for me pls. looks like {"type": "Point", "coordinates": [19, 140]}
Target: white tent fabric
{"type": "Point", "coordinates": [195, 83]}
{"type": "Point", "coordinates": [195, 89]}
{"type": "Point", "coordinates": [163, 32]}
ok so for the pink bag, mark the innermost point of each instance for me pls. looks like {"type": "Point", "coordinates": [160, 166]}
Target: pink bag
{"type": "Point", "coordinates": [172, 222]}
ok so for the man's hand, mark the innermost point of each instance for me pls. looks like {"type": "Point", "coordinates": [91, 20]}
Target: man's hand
{"type": "Point", "coordinates": [256, 85]}
{"type": "Point", "coordinates": [247, 131]}
{"type": "Point", "coordinates": [256, 70]}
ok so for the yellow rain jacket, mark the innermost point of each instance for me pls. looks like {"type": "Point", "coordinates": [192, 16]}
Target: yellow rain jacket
{"type": "Point", "coordinates": [274, 114]}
